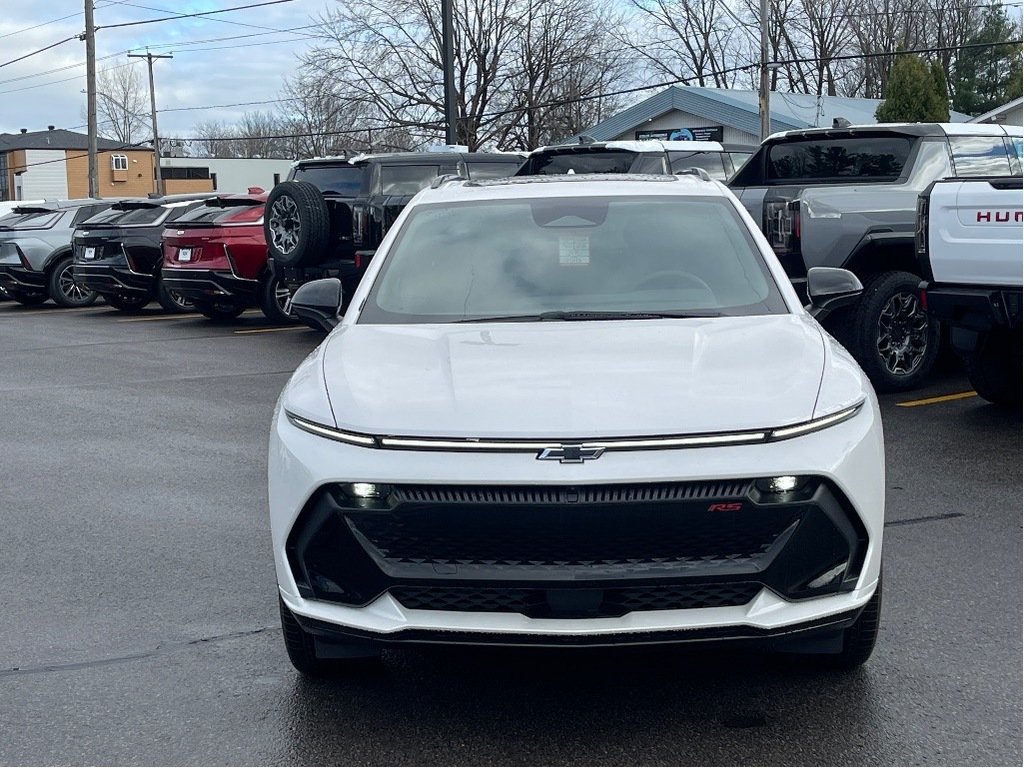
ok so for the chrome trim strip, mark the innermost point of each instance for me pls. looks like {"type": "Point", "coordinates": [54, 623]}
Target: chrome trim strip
{"type": "Point", "coordinates": [753, 437]}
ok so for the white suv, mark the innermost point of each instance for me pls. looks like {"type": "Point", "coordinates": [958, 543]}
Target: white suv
{"type": "Point", "coordinates": [576, 410]}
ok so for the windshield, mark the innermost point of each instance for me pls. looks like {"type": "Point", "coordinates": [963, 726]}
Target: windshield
{"type": "Point", "coordinates": [572, 259]}
{"type": "Point", "coordinates": [220, 212]}
{"type": "Point", "coordinates": [343, 180]}
{"type": "Point", "coordinates": [126, 217]}
{"type": "Point", "coordinates": [39, 219]}
{"type": "Point", "coordinates": [829, 159]}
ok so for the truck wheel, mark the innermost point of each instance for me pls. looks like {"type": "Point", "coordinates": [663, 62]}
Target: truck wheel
{"type": "Point", "coordinates": [63, 289]}
{"type": "Point", "coordinates": [297, 225]}
{"type": "Point", "coordinates": [272, 296]}
{"type": "Point", "coordinates": [896, 342]}
{"type": "Point", "coordinates": [995, 370]}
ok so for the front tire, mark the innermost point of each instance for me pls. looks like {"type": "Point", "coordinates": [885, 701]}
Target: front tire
{"type": "Point", "coordinates": [63, 289]}
{"type": "Point", "coordinates": [995, 370]}
{"type": "Point", "coordinates": [896, 342]}
{"type": "Point", "coordinates": [859, 639]}
{"type": "Point", "coordinates": [301, 648]}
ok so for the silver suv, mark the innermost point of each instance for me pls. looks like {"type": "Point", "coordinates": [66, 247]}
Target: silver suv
{"type": "Point", "coordinates": [35, 251]}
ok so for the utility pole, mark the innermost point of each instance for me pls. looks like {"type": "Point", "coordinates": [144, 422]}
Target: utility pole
{"type": "Point", "coordinates": [152, 108]}
{"type": "Point", "coordinates": [448, 64]}
{"type": "Point", "coordinates": [764, 99]}
{"type": "Point", "coordinates": [90, 88]}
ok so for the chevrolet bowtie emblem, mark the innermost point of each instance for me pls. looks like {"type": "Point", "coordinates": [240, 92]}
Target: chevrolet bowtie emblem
{"type": "Point", "coordinates": [571, 453]}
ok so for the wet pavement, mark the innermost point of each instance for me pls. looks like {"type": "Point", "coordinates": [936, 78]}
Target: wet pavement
{"type": "Point", "coordinates": [141, 622]}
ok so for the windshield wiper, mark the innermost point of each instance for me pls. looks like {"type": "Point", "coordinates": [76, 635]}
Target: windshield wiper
{"type": "Point", "coordinates": [580, 315]}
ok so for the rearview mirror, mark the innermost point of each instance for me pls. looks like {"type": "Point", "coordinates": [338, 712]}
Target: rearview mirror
{"type": "Point", "coordinates": [830, 289]}
{"type": "Point", "coordinates": [318, 303]}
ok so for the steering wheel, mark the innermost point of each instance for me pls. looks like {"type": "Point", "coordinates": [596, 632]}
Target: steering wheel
{"type": "Point", "coordinates": [670, 276]}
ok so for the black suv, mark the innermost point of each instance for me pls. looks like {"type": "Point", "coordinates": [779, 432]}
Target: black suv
{"type": "Point", "coordinates": [331, 213]}
{"type": "Point", "coordinates": [721, 161]}
{"type": "Point", "coordinates": [118, 253]}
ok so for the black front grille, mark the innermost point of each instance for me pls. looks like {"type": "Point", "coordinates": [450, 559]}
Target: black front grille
{"type": "Point", "coordinates": [575, 550]}
{"type": "Point", "coordinates": [577, 601]}
{"type": "Point", "coordinates": [560, 536]}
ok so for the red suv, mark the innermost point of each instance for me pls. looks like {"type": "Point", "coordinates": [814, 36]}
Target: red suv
{"type": "Point", "coordinates": [216, 256]}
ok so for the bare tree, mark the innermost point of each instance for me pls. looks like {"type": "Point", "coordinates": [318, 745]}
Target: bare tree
{"type": "Point", "coordinates": [513, 58]}
{"type": "Point", "coordinates": [214, 139]}
{"type": "Point", "coordinates": [122, 105]}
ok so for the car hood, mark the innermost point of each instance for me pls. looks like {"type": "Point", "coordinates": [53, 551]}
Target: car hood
{"type": "Point", "coordinates": [574, 379]}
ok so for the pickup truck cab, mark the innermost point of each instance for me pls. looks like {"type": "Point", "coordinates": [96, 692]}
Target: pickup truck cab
{"type": "Point", "coordinates": [846, 197]}
{"type": "Point", "coordinates": [969, 243]}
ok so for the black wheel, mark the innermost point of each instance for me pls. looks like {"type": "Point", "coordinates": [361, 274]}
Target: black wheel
{"type": "Point", "coordinates": [171, 301]}
{"type": "Point", "coordinates": [127, 302]}
{"type": "Point", "coordinates": [896, 342]}
{"type": "Point", "coordinates": [63, 289]}
{"type": "Point", "coordinates": [995, 370]}
{"type": "Point", "coordinates": [301, 649]}
{"type": "Point", "coordinates": [28, 298]}
{"type": "Point", "coordinates": [296, 224]}
{"type": "Point", "coordinates": [218, 310]}
{"type": "Point", "coordinates": [272, 297]}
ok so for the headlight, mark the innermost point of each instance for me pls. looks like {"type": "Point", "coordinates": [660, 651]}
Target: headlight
{"type": "Point", "coordinates": [814, 425]}
{"type": "Point", "coordinates": [331, 433]}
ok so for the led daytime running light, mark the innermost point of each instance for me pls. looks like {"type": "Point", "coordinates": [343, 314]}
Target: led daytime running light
{"type": "Point", "coordinates": [613, 444]}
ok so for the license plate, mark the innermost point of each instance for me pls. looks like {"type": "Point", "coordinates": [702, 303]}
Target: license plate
{"type": "Point", "coordinates": [90, 253]}
{"type": "Point", "coordinates": [184, 254]}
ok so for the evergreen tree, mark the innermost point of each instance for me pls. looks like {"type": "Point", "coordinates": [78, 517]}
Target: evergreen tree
{"type": "Point", "coordinates": [986, 78]}
{"type": "Point", "coordinates": [914, 94]}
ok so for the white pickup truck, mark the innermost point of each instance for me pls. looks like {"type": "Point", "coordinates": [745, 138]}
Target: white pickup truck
{"type": "Point", "coordinates": [970, 234]}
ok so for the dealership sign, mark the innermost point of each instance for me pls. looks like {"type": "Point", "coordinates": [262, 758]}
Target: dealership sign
{"type": "Point", "coordinates": [707, 133]}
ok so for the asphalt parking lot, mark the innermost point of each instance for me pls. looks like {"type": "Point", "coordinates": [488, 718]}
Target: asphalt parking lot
{"type": "Point", "coordinates": [141, 620]}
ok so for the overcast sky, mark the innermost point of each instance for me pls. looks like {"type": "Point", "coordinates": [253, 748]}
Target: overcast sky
{"type": "Point", "coordinates": [46, 89]}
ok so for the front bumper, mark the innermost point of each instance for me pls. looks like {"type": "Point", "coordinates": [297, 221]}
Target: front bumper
{"type": "Point", "coordinates": [210, 285]}
{"type": "Point", "coordinates": [847, 457]}
{"type": "Point", "coordinates": [109, 279]}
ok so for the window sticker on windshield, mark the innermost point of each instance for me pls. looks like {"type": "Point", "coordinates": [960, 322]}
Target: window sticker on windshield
{"type": "Point", "coordinates": [573, 250]}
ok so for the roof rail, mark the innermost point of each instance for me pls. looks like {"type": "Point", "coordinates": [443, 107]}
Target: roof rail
{"type": "Point", "coordinates": [446, 178]}
{"type": "Point", "coordinates": [698, 172]}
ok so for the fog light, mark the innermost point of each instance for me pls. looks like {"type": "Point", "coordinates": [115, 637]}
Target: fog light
{"type": "Point", "coordinates": [369, 490]}
{"type": "Point", "coordinates": [828, 576]}
{"type": "Point", "coordinates": [782, 484]}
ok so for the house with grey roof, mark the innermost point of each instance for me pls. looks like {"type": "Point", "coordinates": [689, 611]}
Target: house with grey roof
{"type": "Point", "coordinates": [718, 114]}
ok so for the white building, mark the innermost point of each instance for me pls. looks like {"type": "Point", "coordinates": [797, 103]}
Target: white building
{"type": "Point", "coordinates": [233, 175]}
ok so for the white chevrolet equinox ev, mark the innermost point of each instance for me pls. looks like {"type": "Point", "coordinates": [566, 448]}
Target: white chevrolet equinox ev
{"type": "Point", "coordinates": [577, 411]}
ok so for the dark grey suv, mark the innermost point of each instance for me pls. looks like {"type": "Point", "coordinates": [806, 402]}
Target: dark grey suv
{"type": "Point", "coordinates": [35, 251]}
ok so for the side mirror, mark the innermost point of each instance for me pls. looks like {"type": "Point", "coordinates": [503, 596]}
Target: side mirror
{"type": "Point", "coordinates": [830, 289]}
{"type": "Point", "coordinates": [318, 303]}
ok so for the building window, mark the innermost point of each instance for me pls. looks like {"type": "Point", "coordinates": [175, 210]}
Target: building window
{"type": "Point", "coordinates": [119, 162]}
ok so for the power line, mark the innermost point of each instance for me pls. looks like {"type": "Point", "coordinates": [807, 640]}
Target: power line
{"type": "Point", "coordinates": [41, 50]}
{"type": "Point", "coordinates": [222, 21]}
{"type": "Point", "coordinates": [192, 15]}
{"type": "Point", "coordinates": [880, 54]}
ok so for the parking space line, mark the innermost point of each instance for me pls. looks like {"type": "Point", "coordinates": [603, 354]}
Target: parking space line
{"type": "Point", "coordinates": [154, 318]}
{"type": "Point", "coordinates": [275, 329]}
{"type": "Point", "coordinates": [939, 399]}
{"type": "Point", "coordinates": [56, 311]}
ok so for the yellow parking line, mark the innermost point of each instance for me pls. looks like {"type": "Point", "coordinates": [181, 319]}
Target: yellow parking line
{"type": "Point", "coordinates": [55, 311]}
{"type": "Point", "coordinates": [939, 399]}
{"type": "Point", "coordinates": [273, 330]}
{"type": "Point", "coordinates": [157, 317]}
